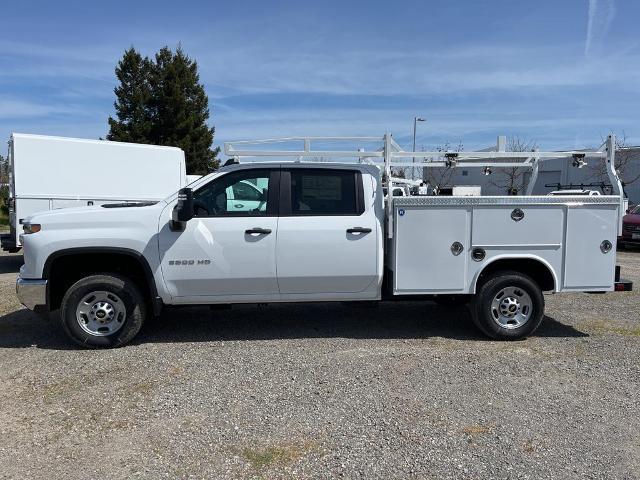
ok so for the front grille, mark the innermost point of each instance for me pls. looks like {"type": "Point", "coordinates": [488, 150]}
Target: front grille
{"type": "Point", "coordinates": [631, 228]}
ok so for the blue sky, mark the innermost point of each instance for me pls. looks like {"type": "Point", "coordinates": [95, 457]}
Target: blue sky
{"type": "Point", "coordinates": [562, 73]}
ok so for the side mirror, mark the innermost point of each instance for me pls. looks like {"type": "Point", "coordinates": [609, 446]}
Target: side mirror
{"type": "Point", "coordinates": [183, 211]}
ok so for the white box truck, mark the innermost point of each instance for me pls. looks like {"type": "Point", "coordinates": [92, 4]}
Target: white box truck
{"type": "Point", "coordinates": [316, 232]}
{"type": "Point", "coordinates": [467, 191]}
{"type": "Point", "coordinates": [48, 173]}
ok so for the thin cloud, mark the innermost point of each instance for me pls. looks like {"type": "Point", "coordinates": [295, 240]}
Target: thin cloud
{"type": "Point", "coordinates": [11, 108]}
{"type": "Point", "coordinates": [600, 16]}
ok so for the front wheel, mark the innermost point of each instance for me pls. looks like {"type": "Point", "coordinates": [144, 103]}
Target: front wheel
{"type": "Point", "coordinates": [508, 306]}
{"type": "Point", "coordinates": [103, 311]}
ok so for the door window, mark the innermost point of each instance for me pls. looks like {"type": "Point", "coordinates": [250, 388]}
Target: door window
{"type": "Point", "coordinates": [242, 193]}
{"type": "Point", "coordinates": [325, 192]}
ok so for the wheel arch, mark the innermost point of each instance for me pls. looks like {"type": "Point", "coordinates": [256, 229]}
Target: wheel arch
{"type": "Point", "coordinates": [534, 266]}
{"type": "Point", "coordinates": [80, 261]}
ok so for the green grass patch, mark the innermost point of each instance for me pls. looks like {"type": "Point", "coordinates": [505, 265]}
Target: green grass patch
{"type": "Point", "coordinates": [477, 429]}
{"type": "Point", "coordinates": [275, 455]}
{"type": "Point", "coordinates": [603, 326]}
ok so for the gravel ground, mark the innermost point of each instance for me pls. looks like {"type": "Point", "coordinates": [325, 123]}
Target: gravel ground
{"type": "Point", "coordinates": [404, 390]}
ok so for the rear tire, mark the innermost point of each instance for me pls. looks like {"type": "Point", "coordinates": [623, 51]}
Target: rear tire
{"type": "Point", "coordinates": [103, 311]}
{"type": "Point", "coordinates": [508, 306]}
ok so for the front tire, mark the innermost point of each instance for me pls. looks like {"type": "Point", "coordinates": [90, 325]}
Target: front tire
{"type": "Point", "coordinates": [103, 311]}
{"type": "Point", "coordinates": [508, 306]}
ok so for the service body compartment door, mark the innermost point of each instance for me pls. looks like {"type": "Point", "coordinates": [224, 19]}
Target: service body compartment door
{"type": "Point", "coordinates": [425, 261]}
{"type": "Point", "coordinates": [586, 266]}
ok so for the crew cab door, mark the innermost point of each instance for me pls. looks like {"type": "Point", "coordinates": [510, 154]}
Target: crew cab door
{"type": "Point", "coordinates": [327, 235]}
{"type": "Point", "coordinates": [227, 251]}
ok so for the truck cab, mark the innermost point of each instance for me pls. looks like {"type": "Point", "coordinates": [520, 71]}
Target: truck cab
{"type": "Point", "coordinates": [298, 231]}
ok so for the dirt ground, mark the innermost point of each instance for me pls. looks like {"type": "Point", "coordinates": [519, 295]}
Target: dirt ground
{"type": "Point", "coordinates": [407, 390]}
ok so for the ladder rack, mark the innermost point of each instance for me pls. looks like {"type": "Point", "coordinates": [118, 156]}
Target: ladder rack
{"type": "Point", "coordinates": [389, 154]}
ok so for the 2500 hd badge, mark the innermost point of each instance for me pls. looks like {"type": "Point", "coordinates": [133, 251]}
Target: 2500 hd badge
{"type": "Point", "coordinates": [189, 262]}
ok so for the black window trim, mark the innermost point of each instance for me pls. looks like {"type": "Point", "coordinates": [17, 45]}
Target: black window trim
{"type": "Point", "coordinates": [285, 193]}
{"type": "Point", "coordinates": [272, 198]}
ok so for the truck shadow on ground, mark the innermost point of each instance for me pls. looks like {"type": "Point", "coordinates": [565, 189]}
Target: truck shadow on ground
{"type": "Point", "coordinates": [10, 263]}
{"type": "Point", "coordinates": [404, 320]}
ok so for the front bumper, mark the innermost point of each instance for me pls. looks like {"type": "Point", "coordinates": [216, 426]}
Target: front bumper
{"type": "Point", "coordinates": [32, 293]}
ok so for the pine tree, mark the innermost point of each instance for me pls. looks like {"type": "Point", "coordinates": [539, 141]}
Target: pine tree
{"type": "Point", "coordinates": [181, 109]}
{"type": "Point", "coordinates": [162, 102]}
{"type": "Point", "coordinates": [133, 95]}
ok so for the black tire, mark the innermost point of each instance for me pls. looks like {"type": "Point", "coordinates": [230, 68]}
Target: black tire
{"type": "Point", "coordinates": [486, 317]}
{"type": "Point", "coordinates": [127, 297]}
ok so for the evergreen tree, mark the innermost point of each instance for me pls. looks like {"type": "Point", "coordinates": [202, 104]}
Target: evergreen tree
{"type": "Point", "coordinates": [180, 110]}
{"type": "Point", "coordinates": [162, 102]}
{"type": "Point", "coordinates": [133, 95]}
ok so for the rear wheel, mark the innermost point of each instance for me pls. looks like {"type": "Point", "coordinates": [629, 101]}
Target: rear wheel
{"type": "Point", "coordinates": [508, 306]}
{"type": "Point", "coordinates": [103, 311]}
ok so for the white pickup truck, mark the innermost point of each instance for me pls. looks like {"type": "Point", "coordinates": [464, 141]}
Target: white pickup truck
{"type": "Point", "coordinates": [309, 232]}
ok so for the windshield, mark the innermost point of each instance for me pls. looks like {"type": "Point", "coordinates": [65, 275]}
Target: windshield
{"type": "Point", "coordinates": [635, 210]}
{"type": "Point", "coordinates": [196, 184]}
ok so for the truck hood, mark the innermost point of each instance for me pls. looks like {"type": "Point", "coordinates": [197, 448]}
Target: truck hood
{"type": "Point", "coordinates": [631, 219]}
{"type": "Point", "coordinates": [98, 215]}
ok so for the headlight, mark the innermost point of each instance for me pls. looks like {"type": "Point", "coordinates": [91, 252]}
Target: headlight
{"type": "Point", "coordinates": [31, 228]}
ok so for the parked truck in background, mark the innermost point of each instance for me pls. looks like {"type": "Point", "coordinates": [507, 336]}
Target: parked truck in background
{"type": "Point", "coordinates": [467, 191]}
{"type": "Point", "coordinates": [49, 173]}
{"type": "Point", "coordinates": [314, 232]}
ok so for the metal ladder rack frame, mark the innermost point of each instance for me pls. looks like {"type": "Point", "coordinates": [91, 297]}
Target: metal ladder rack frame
{"type": "Point", "coordinates": [391, 155]}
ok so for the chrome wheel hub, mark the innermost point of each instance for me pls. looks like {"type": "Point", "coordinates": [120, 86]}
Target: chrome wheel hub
{"type": "Point", "coordinates": [101, 313]}
{"type": "Point", "coordinates": [511, 307]}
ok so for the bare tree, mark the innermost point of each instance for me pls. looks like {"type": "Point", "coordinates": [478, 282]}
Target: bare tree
{"type": "Point", "coordinates": [399, 172]}
{"type": "Point", "coordinates": [512, 179]}
{"type": "Point", "coordinates": [439, 177]}
{"type": "Point", "coordinates": [627, 163]}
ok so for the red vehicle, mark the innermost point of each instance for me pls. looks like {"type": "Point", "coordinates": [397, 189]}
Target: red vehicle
{"type": "Point", "coordinates": [630, 228]}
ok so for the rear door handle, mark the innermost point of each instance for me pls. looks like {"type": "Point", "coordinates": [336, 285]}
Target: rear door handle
{"type": "Point", "coordinates": [358, 230]}
{"type": "Point", "coordinates": [261, 231]}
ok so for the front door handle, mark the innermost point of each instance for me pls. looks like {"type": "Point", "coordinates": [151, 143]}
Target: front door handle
{"type": "Point", "coordinates": [261, 231]}
{"type": "Point", "coordinates": [358, 230]}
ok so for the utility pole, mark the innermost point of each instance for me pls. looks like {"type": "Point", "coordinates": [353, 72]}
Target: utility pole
{"type": "Point", "coordinates": [415, 125]}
